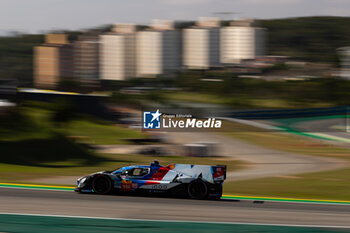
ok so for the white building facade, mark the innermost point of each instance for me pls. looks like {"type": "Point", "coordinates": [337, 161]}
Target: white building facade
{"type": "Point", "coordinates": [240, 42]}
{"type": "Point", "coordinates": [158, 52]}
{"type": "Point", "coordinates": [344, 55]}
{"type": "Point", "coordinates": [117, 54]}
{"type": "Point", "coordinates": [201, 48]}
{"type": "Point", "coordinates": [201, 44]}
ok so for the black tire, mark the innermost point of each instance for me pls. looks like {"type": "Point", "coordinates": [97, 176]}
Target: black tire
{"type": "Point", "coordinates": [197, 189]}
{"type": "Point", "coordinates": [102, 184]}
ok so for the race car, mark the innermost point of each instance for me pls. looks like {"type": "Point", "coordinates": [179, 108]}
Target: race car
{"type": "Point", "coordinates": [179, 180]}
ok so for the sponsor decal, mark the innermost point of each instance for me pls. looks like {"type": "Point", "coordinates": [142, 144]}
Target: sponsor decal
{"type": "Point", "coordinates": [219, 172]}
{"type": "Point", "coordinates": [160, 186]}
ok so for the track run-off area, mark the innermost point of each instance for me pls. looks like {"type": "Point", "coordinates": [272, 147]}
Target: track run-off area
{"type": "Point", "coordinates": [42, 208]}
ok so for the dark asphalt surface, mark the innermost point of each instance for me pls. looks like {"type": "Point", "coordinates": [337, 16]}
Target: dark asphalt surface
{"type": "Point", "coordinates": [69, 203]}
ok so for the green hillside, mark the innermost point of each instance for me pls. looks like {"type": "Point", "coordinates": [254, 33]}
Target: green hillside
{"type": "Point", "coordinates": [308, 38]}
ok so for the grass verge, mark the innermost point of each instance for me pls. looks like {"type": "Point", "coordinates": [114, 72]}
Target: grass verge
{"type": "Point", "coordinates": [285, 142]}
{"type": "Point", "coordinates": [98, 133]}
{"type": "Point", "coordinates": [334, 185]}
{"type": "Point", "coordinates": [321, 185]}
{"type": "Point", "coordinates": [242, 101]}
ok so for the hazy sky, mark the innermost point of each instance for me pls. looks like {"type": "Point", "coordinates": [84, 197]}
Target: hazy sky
{"type": "Point", "coordinates": [38, 15]}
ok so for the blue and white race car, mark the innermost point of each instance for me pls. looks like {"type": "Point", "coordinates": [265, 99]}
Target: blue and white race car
{"type": "Point", "coordinates": [185, 180]}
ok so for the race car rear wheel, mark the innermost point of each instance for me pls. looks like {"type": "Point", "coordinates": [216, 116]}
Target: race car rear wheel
{"type": "Point", "coordinates": [102, 184]}
{"type": "Point", "coordinates": [197, 189]}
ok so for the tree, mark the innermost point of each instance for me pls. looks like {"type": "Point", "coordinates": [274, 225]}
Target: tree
{"type": "Point", "coordinates": [63, 112]}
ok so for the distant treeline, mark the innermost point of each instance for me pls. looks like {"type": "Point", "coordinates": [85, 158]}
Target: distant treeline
{"type": "Point", "coordinates": [16, 57]}
{"type": "Point", "coordinates": [308, 38]}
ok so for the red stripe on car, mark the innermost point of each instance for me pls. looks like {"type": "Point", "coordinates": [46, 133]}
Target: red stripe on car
{"type": "Point", "coordinates": [158, 175]}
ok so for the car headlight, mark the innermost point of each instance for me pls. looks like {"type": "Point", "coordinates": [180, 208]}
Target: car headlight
{"type": "Point", "coordinates": [82, 180]}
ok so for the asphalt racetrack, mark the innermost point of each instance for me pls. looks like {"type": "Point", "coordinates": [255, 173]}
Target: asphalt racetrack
{"type": "Point", "coordinates": [68, 203]}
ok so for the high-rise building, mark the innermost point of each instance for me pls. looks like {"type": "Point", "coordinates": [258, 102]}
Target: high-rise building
{"type": "Point", "coordinates": [242, 40]}
{"type": "Point", "coordinates": [344, 57]}
{"type": "Point", "coordinates": [117, 53]}
{"type": "Point", "coordinates": [86, 59]}
{"type": "Point", "coordinates": [158, 49]}
{"type": "Point", "coordinates": [53, 61]}
{"type": "Point", "coordinates": [201, 44]}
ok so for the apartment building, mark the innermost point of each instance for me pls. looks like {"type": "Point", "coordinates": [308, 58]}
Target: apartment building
{"type": "Point", "coordinates": [201, 44]}
{"type": "Point", "coordinates": [86, 59]}
{"type": "Point", "coordinates": [158, 49]}
{"type": "Point", "coordinates": [117, 53]}
{"type": "Point", "coordinates": [242, 40]}
{"type": "Point", "coordinates": [53, 61]}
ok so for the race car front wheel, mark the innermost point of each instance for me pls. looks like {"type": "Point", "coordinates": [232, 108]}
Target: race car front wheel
{"type": "Point", "coordinates": [197, 189]}
{"type": "Point", "coordinates": [101, 184]}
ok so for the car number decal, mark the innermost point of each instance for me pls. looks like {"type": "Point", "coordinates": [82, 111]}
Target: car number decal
{"type": "Point", "coordinates": [126, 185]}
